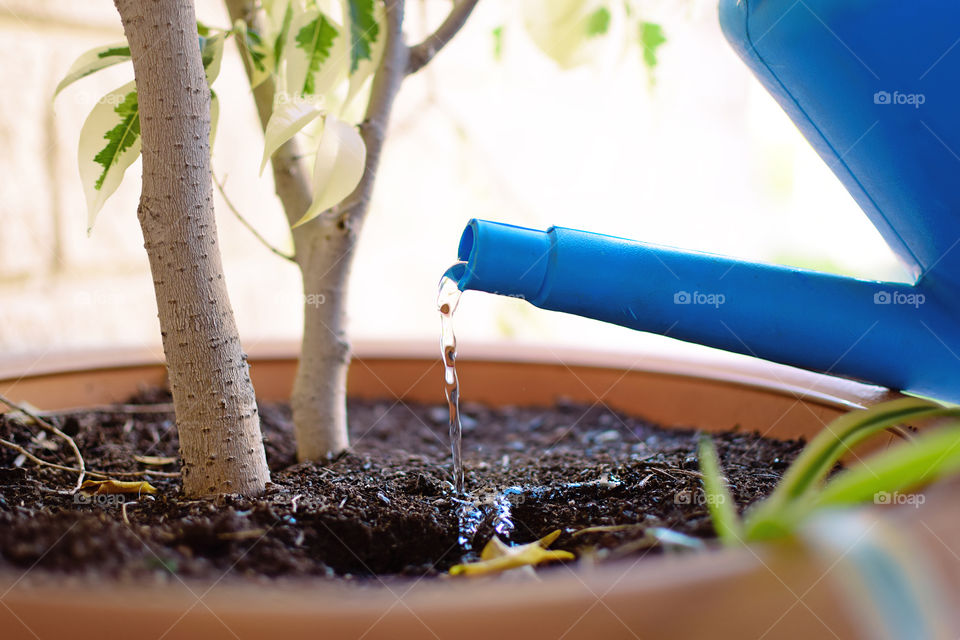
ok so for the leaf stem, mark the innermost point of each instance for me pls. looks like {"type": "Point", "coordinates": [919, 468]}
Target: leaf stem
{"type": "Point", "coordinates": [250, 227]}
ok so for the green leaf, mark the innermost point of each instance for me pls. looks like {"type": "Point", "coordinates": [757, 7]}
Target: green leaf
{"type": "Point", "coordinates": [598, 22]}
{"type": "Point", "coordinates": [841, 435]}
{"type": "Point", "coordinates": [214, 116]}
{"type": "Point", "coordinates": [93, 61]}
{"type": "Point", "coordinates": [338, 168]}
{"type": "Point", "coordinates": [363, 31]}
{"type": "Point", "coordinates": [367, 66]}
{"type": "Point", "coordinates": [211, 52]}
{"type": "Point", "coordinates": [255, 50]}
{"type": "Point", "coordinates": [113, 52]}
{"type": "Point", "coordinates": [254, 53]}
{"type": "Point", "coordinates": [116, 120]}
{"type": "Point", "coordinates": [720, 504]}
{"type": "Point", "coordinates": [281, 39]}
{"type": "Point", "coordinates": [203, 29]}
{"type": "Point", "coordinates": [798, 491]}
{"type": "Point", "coordinates": [497, 34]}
{"type": "Point", "coordinates": [121, 137]}
{"type": "Point", "coordinates": [651, 38]}
{"type": "Point", "coordinates": [315, 39]}
{"type": "Point", "coordinates": [905, 467]}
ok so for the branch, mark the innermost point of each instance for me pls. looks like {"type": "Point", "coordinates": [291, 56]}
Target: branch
{"type": "Point", "coordinates": [162, 407]}
{"type": "Point", "coordinates": [421, 54]}
{"type": "Point", "coordinates": [250, 227]}
{"type": "Point", "coordinates": [289, 174]}
{"type": "Point", "coordinates": [386, 82]}
{"type": "Point", "coordinates": [46, 426]}
{"type": "Point", "coordinates": [90, 472]}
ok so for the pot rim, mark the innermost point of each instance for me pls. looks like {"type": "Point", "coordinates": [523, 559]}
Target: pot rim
{"type": "Point", "coordinates": [706, 364]}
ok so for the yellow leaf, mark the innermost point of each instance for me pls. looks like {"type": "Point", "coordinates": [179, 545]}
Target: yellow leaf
{"type": "Point", "coordinates": [498, 556]}
{"type": "Point", "coordinates": [100, 487]}
{"type": "Point", "coordinates": [156, 461]}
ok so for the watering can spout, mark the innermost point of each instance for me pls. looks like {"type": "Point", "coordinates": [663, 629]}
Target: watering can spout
{"type": "Point", "coordinates": [517, 266]}
{"type": "Point", "coordinates": [892, 334]}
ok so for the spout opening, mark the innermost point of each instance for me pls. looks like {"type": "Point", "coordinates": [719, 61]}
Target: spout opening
{"type": "Point", "coordinates": [465, 249]}
{"type": "Point", "coordinates": [456, 273]}
{"type": "Point", "coordinates": [503, 258]}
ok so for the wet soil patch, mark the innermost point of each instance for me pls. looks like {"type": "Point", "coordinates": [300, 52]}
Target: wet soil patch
{"type": "Point", "coordinates": [385, 507]}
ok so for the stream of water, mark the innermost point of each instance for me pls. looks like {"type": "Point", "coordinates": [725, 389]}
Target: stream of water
{"type": "Point", "coordinates": [447, 300]}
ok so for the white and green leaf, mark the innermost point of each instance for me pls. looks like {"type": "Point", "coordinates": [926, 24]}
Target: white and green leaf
{"type": "Point", "coordinates": [280, 15]}
{"type": "Point", "coordinates": [316, 54]}
{"type": "Point", "coordinates": [562, 28]}
{"type": "Point", "coordinates": [651, 38]}
{"type": "Point", "coordinates": [211, 52]}
{"type": "Point", "coordinates": [366, 66]}
{"type": "Point", "coordinates": [364, 30]}
{"type": "Point", "coordinates": [109, 144]}
{"type": "Point", "coordinates": [93, 61]}
{"type": "Point", "coordinates": [255, 53]}
{"type": "Point", "coordinates": [339, 166]}
{"type": "Point", "coordinates": [598, 22]}
{"type": "Point", "coordinates": [290, 115]}
{"type": "Point", "coordinates": [214, 116]}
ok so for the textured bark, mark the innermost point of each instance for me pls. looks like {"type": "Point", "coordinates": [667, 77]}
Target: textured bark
{"type": "Point", "coordinates": [319, 392]}
{"type": "Point", "coordinates": [217, 419]}
{"type": "Point", "coordinates": [325, 249]}
{"type": "Point", "coordinates": [319, 400]}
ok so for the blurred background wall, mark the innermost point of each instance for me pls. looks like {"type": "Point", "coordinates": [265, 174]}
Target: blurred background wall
{"type": "Point", "coordinates": [702, 159]}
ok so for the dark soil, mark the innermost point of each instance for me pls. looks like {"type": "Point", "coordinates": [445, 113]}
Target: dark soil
{"type": "Point", "coordinates": [386, 507]}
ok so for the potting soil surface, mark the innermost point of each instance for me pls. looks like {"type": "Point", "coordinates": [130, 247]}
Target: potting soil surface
{"type": "Point", "coordinates": [385, 507]}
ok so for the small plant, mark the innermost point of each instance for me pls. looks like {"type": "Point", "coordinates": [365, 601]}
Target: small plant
{"type": "Point", "coordinates": [805, 488]}
{"type": "Point", "coordinates": [323, 76]}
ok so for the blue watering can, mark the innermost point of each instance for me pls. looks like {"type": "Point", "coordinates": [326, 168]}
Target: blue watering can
{"type": "Point", "coordinates": [874, 85]}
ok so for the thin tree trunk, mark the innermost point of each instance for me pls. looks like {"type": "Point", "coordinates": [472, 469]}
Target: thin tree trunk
{"type": "Point", "coordinates": [217, 419]}
{"type": "Point", "coordinates": [325, 249]}
{"type": "Point", "coordinates": [319, 398]}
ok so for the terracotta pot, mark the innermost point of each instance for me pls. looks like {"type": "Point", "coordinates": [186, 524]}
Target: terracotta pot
{"type": "Point", "coordinates": [772, 591]}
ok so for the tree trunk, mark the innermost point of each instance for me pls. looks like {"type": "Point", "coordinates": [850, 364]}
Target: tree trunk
{"type": "Point", "coordinates": [217, 419]}
{"type": "Point", "coordinates": [325, 249]}
{"type": "Point", "coordinates": [319, 399]}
